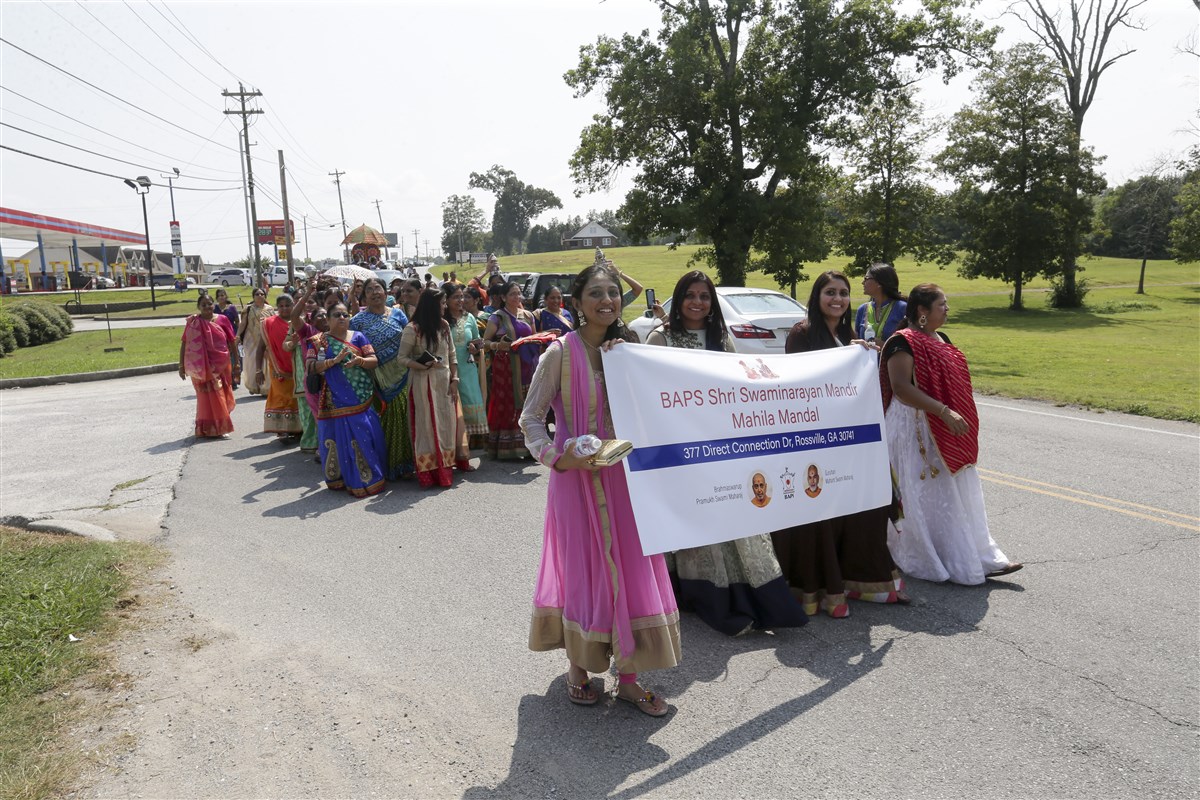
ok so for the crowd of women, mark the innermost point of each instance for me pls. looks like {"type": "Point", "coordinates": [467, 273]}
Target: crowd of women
{"type": "Point", "coordinates": [391, 382]}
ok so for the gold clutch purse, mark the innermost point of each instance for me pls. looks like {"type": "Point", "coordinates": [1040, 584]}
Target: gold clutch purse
{"type": "Point", "coordinates": [611, 452]}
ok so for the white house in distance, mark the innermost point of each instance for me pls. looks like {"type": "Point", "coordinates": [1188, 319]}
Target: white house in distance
{"type": "Point", "coordinates": [591, 235]}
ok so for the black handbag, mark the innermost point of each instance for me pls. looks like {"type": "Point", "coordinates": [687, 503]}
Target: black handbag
{"type": "Point", "coordinates": [314, 382]}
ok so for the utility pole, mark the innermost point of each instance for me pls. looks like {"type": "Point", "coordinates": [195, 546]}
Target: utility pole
{"type": "Point", "coordinates": [242, 95]}
{"type": "Point", "coordinates": [416, 244]}
{"type": "Point", "coordinates": [287, 222]}
{"type": "Point", "coordinates": [386, 253]}
{"type": "Point", "coordinates": [306, 238]}
{"type": "Point", "coordinates": [250, 232]}
{"type": "Point", "coordinates": [337, 178]}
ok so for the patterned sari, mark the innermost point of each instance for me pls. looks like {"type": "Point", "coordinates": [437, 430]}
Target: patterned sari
{"type": "Point", "coordinates": [383, 331]}
{"type": "Point", "coordinates": [308, 422]}
{"type": "Point", "coordinates": [252, 346]}
{"type": "Point", "coordinates": [206, 361]}
{"type": "Point", "coordinates": [438, 433]}
{"type": "Point", "coordinates": [280, 414]}
{"type": "Point", "coordinates": [512, 372]}
{"type": "Point", "coordinates": [350, 438]}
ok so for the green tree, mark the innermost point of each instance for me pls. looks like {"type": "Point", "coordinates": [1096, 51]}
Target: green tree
{"type": "Point", "coordinates": [789, 241]}
{"type": "Point", "coordinates": [1185, 228]}
{"type": "Point", "coordinates": [1078, 41]}
{"type": "Point", "coordinates": [1135, 219]}
{"type": "Point", "coordinates": [517, 205]}
{"type": "Point", "coordinates": [247, 262]}
{"type": "Point", "coordinates": [463, 224]}
{"type": "Point", "coordinates": [731, 103]}
{"type": "Point", "coordinates": [886, 209]}
{"type": "Point", "coordinates": [1012, 152]}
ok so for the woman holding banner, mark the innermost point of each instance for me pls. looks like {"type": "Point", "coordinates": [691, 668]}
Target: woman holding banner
{"type": "Point", "coordinates": [597, 596]}
{"type": "Point", "coordinates": [732, 586]}
{"type": "Point", "coordinates": [933, 441]}
{"type": "Point", "coordinates": [844, 557]}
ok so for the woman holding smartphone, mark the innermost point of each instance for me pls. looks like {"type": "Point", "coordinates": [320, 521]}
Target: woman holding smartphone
{"type": "Point", "coordinates": [438, 434]}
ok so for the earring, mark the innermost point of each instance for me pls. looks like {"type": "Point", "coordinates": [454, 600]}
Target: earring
{"type": "Point", "coordinates": [921, 322]}
{"type": "Point", "coordinates": [582, 319]}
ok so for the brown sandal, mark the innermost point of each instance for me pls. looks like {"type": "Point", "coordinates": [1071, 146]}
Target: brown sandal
{"type": "Point", "coordinates": [1006, 570]}
{"type": "Point", "coordinates": [577, 693]}
{"type": "Point", "coordinates": [645, 704]}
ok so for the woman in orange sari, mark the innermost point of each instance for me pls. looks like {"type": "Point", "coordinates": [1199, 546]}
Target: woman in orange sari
{"type": "Point", "coordinates": [208, 355]}
{"type": "Point", "coordinates": [281, 415]}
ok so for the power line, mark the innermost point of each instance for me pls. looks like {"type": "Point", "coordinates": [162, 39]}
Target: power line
{"type": "Point", "coordinates": [134, 50]}
{"type": "Point", "coordinates": [110, 158]}
{"type": "Point", "coordinates": [109, 174]}
{"type": "Point", "coordinates": [113, 96]}
{"type": "Point", "coordinates": [101, 130]}
{"type": "Point", "coordinates": [194, 40]}
{"type": "Point", "coordinates": [165, 42]}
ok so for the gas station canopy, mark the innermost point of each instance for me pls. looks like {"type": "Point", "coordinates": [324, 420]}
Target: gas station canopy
{"type": "Point", "coordinates": [61, 232]}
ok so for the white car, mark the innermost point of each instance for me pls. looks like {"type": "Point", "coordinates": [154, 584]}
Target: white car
{"type": "Point", "coordinates": [758, 320]}
{"type": "Point", "coordinates": [232, 276]}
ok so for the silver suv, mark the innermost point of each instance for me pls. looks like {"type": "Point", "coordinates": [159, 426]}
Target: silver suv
{"type": "Point", "coordinates": [230, 277]}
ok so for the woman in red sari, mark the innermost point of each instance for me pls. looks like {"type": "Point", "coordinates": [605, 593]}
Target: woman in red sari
{"type": "Point", "coordinates": [281, 415]}
{"type": "Point", "coordinates": [208, 355]}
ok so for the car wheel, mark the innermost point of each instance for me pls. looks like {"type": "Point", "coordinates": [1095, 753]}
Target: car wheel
{"type": "Point", "coordinates": [224, 282]}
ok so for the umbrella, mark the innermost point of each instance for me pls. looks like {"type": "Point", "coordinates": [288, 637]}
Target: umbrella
{"type": "Point", "coordinates": [364, 234]}
{"type": "Point", "coordinates": [349, 271]}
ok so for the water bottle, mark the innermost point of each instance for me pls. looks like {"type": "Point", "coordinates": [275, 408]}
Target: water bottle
{"type": "Point", "coordinates": [586, 445]}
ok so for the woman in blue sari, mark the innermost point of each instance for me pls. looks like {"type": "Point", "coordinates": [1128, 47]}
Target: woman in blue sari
{"type": "Point", "coordinates": [383, 326]}
{"type": "Point", "coordinates": [552, 316]}
{"type": "Point", "coordinates": [349, 436]}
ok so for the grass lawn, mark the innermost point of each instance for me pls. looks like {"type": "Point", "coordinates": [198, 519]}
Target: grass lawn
{"type": "Point", "coordinates": [84, 352]}
{"type": "Point", "coordinates": [53, 588]}
{"type": "Point", "coordinates": [170, 303]}
{"type": "Point", "coordinates": [1122, 352]}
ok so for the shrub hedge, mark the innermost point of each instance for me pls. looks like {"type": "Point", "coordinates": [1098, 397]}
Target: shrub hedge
{"type": "Point", "coordinates": [31, 324]}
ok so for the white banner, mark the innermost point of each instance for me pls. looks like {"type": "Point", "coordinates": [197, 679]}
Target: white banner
{"type": "Point", "coordinates": [728, 445]}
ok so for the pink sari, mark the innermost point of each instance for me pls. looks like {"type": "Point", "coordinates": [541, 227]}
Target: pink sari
{"type": "Point", "coordinates": [597, 596]}
{"type": "Point", "coordinates": [206, 361]}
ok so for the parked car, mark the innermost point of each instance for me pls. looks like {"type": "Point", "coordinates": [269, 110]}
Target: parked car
{"type": "Point", "coordinates": [278, 274]}
{"type": "Point", "coordinates": [538, 283]}
{"type": "Point", "coordinates": [758, 319]}
{"type": "Point", "coordinates": [103, 282]}
{"type": "Point", "coordinates": [233, 276]}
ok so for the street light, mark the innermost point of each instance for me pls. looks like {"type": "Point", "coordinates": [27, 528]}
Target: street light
{"type": "Point", "coordinates": [142, 187]}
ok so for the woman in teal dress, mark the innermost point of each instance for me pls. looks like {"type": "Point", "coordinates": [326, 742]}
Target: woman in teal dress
{"type": "Point", "coordinates": [468, 346]}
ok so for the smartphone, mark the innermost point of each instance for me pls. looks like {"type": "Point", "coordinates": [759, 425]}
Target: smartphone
{"type": "Point", "coordinates": [650, 299]}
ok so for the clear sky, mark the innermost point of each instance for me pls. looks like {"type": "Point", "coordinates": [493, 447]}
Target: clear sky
{"type": "Point", "coordinates": [406, 98]}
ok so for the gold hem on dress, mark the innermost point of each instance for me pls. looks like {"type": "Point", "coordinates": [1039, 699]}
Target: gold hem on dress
{"type": "Point", "coordinates": [656, 642]}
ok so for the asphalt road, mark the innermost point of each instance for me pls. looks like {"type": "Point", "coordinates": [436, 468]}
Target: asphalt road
{"type": "Point", "coordinates": [312, 645]}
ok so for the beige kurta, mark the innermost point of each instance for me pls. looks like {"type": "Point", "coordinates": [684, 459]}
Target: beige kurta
{"type": "Point", "coordinates": [439, 435]}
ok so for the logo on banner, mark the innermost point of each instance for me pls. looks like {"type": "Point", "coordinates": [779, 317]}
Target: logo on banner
{"type": "Point", "coordinates": [788, 480]}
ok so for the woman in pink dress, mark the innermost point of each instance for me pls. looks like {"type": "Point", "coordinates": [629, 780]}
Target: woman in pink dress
{"type": "Point", "coordinates": [597, 596]}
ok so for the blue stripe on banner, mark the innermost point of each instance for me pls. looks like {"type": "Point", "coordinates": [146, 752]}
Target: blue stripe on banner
{"type": "Point", "coordinates": [701, 452]}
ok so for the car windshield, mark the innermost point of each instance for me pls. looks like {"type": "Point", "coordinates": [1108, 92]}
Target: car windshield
{"type": "Point", "coordinates": [763, 303]}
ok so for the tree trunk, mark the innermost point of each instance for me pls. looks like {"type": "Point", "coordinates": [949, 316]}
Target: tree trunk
{"type": "Point", "coordinates": [1017, 303]}
{"type": "Point", "coordinates": [1142, 277]}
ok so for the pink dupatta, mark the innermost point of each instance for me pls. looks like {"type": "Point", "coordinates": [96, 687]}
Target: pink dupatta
{"type": "Point", "coordinates": [205, 350]}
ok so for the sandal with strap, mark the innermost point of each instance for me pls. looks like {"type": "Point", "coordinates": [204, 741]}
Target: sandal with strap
{"type": "Point", "coordinates": [578, 693]}
{"type": "Point", "coordinates": [646, 704]}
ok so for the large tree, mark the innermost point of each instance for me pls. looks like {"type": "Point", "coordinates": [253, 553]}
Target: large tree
{"type": "Point", "coordinates": [886, 208]}
{"type": "Point", "coordinates": [732, 102]}
{"type": "Point", "coordinates": [1013, 152]}
{"type": "Point", "coordinates": [1078, 39]}
{"type": "Point", "coordinates": [463, 224]}
{"type": "Point", "coordinates": [1185, 228]}
{"type": "Point", "coordinates": [517, 205]}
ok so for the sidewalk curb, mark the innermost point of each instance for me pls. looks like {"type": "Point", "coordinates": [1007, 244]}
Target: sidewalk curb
{"type": "Point", "coordinates": [84, 377]}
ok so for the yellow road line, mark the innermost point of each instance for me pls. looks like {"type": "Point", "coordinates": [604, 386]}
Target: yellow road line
{"type": "Point", "coordinates": [1080, 500]}
{"type": "Point", "coordinates": [1188, 517]}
